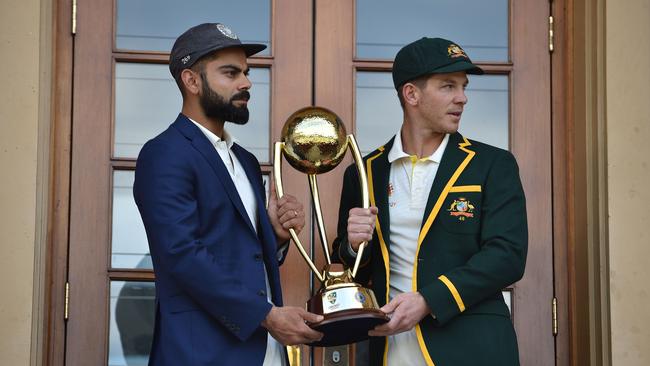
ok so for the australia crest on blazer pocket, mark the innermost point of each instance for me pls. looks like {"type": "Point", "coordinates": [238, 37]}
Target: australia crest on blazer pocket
{"type": "Point", "coordinates": [461, 212]}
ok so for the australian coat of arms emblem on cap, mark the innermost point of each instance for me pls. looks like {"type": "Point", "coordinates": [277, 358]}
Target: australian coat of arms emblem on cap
{"type": "Point", "coordinates": [461, 208]}
{"type": "Point", "coordinates": [226, 31]}
{"type": "Point", "coordinates": [454, 51]}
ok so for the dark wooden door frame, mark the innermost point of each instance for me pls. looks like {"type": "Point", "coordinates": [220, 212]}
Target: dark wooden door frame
{"type": "Point", "coordinates": [59, 206]}
{"type": "Point", "coordinates": [560, 116]}
{"type": "Point", "coordinates": [577, 63]}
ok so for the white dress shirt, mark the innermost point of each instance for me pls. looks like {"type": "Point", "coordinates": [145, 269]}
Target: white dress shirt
{"type": "Point", "coordinates": [409, 185]}
{"type": "Point", "coordinates": [274, 350]}
{"type": "Point", "coordinates": [410, 182]}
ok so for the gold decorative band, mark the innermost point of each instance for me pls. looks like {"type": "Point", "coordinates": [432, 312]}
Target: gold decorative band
{"type": "Point", "coordinates": [476, 188]}
{"type": "Point", "coordinates": [453, 291]}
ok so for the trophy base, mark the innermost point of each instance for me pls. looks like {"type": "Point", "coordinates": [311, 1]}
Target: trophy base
{"type": "Point", "coordinates": [349, 312]}
{"type": "Point", "coordinates": [347, 326]}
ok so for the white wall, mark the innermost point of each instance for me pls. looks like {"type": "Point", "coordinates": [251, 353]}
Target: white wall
{"type": "Point", "coordinates": [627, 64]}
{"type": "Point", "coordinates": [21, 109]}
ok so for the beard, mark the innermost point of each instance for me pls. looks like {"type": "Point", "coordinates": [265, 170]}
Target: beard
{"type": "Point", "coordinates": [215, 106]}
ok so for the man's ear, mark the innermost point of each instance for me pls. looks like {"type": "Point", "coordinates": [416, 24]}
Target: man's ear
{"type": "Point", "coordinates": [192, 81]}
{"type": "Point", "coordinates": [410, 94]}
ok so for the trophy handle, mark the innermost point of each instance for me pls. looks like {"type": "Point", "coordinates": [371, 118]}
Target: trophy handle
{"type": "Point", "coordinates": [277, 177]}
{"type": "Point", "coordinates": [365, 196]}
{"type": "Point", "coordinates": [313, 185]}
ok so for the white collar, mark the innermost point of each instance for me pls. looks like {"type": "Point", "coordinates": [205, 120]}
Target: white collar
{"type": "Point", "coordinates": [397, 151]}
{"type": "Point", "coordinates": [214, 139]}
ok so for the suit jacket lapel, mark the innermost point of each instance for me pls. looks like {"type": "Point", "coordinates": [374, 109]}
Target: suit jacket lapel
{"type": "Point", "coordinates": [454, 161]}
{"type": "Point", "coordinates": [203, 146]}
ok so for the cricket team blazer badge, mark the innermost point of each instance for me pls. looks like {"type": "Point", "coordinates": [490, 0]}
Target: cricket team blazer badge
{"type": "Point", "coordinates": [461, 208]}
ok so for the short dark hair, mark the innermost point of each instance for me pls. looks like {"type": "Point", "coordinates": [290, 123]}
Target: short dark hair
{"type": "Point", "coordinates": [420, 82]}
{"type": "Point", "coordinates": [198, 67]}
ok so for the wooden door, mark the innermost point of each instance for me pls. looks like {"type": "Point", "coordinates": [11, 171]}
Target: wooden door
{"type": "Point", "coordinates": [123, 95]}
{"type": "Point", "coordinates": [355, 42]}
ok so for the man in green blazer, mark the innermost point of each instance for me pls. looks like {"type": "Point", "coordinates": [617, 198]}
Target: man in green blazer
{"type": "Point", "coordinates": [447, 228]}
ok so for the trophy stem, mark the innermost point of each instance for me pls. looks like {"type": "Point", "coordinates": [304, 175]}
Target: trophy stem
{"type": "Point", "coordinates": [277, 176]}
{"type": "Point", "coordinates": [313, 185]}
{"type": "Point", "coordinates": [365, 194]}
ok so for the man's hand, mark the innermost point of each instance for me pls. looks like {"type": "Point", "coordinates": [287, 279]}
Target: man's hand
{"type": "Point", "coordinates": [288, 326]}
{"type": "Point", "coordinates": [285, 213]}
{"type": "Point", "coordinates": [405, 311]}
{"type": "Point", "coordinates": [361, 225]}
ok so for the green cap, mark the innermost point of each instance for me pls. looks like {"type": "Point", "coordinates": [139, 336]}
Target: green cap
{"type": "Point", "coordinates": [430, 56]}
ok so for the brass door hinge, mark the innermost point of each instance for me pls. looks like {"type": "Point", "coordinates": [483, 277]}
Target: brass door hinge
{"type": "Point", "coordinates": [551, 36]}
{"type": "Point", "coordinates": [74, 16]}
{"type": "Point", "coordinates": [66, 306]}
{"type": "Point", "coordinates": [554, 316]}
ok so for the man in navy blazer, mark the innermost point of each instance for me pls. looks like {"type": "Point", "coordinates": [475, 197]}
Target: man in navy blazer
{"type": "Point", "coordinates": [213, 243]}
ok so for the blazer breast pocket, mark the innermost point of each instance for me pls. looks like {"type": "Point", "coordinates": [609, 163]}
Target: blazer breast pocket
{"type": "Point", "coordinates": [461, 211]}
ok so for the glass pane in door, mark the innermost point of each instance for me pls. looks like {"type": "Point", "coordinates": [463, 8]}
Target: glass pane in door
{"type": "Point", "coordinates": [379, 115]}
{"type": "Point", "coordinates": [132, 316]}
{"type": "Point", "coordinates": [147, 100]}
{"type": "Point", "coordinates": [479, 26]}
{"type": "Point", "coordinates": [153, 25]}
{"type": "Point", "coordinates": [129, 248]}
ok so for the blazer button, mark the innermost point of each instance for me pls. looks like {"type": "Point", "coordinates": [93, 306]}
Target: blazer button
{"type": "Point", "coordinates": [261, 293]}
{"type": "Point", "coordinates": [258, 256]}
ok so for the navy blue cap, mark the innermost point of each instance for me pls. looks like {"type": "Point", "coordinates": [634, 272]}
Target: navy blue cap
{"type": "Point", "coordinates": [201, 40]}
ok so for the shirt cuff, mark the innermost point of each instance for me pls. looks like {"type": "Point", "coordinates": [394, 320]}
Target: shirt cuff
{"type": "Point", "coordinates": [281, 250]}
{"type": "Point", "coordinates": [350, 250]}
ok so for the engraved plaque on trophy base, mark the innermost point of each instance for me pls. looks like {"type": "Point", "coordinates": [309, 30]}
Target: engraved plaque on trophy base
{"type": "Point", "coordinates": [350, 311]}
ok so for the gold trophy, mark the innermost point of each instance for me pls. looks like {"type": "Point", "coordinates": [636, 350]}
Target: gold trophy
{"type": "Point", "coordinates": [314, 141]}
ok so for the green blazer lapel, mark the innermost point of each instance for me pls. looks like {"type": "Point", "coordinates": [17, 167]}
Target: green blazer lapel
{"type": "Point", "coordinates": [378, 170]}
{"type": "Point", "coordinates": [455, 159]}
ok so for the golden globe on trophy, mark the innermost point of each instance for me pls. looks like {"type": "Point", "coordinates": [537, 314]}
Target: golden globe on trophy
{"type": "Point", "coordinates": [314, 141]}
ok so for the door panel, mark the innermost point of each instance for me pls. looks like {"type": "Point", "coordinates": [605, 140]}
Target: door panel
{"type": "Point", "coordinates": [153, 25]}
{"type": "Point", "coordinates": [123, 96]}
{"type": "Point", "coordinates": [508, 107]}
{"type": "Point", "coordinates": [480, 26]}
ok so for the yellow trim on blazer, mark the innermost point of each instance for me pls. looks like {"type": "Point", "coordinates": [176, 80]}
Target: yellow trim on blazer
{"type": "Point", "coordinates": [454, 292]}
{"type": "Point", "coordinates": [425, 229]}
{"type": "Point", "coordinates": [465, 189]}
{"type": "Point", "coordinates": [382, 243]}
{"type": "Point", "coordinates": [423, 347]}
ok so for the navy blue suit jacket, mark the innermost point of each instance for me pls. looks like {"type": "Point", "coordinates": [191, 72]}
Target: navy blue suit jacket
{"type": "Point", "coordinates": [207, 257]}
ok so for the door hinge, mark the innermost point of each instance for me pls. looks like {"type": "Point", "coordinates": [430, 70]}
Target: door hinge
{"type": "Point", "coordinates": [554, 316]}
{"type": "Point", "coordinates": [66, 306]}
{"type": "Point", "coordinates": [74, 16]}
{"type": "Point", "coordinates": [551, 36]}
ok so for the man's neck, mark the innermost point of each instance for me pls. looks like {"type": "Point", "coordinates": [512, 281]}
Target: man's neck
{"type": "Point", "coordinates": [197, 115]}
{"type": "Point", "coordinates": [419, 141]}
